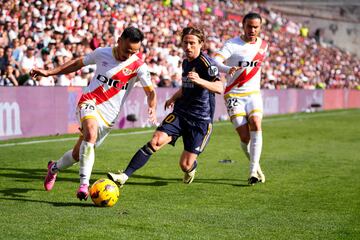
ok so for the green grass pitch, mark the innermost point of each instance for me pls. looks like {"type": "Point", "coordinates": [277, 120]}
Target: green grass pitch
{"type": "Point", "coordinates": [311, 162]}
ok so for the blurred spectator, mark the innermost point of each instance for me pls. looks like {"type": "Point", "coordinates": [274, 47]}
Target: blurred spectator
{"type": "Point", "coordinates": [82, 79]}
{"type": "Point", "coordinates": [155, 78]}
{"type": "Point", "coordinates": [28, 61]}
{"type": "Point", "coordinates": [43, 58]}
{"type": "Point", "coordinates": [47, 81]}
{"type": "Point", "coordinates": [8, 76]}
{"type": "Point", "coordinates": [3, 60]}
{"type": "Point", "coordinates": [165, 81]}
{"type": "Point", "coordinates": [17, 52]}
{"type": "Point", "coordinates": [73, 28]}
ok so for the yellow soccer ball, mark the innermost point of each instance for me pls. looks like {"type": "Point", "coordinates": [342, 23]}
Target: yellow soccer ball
{"type": "Point", "coordinates": [104, 193]}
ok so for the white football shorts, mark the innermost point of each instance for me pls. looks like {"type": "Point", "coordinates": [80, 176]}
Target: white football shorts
{"type": "Point", "coordinates": [240, 108]}
{"type": "Point", "coordinates": [88, 110]}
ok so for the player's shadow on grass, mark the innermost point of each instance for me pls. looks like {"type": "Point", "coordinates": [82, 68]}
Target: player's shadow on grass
{"type": "Point", "coordinates": [22, 173]}
{"type": "Point", "coordinates": [16, 192]}
{"type": "Point", "coordinates": [55, 204]}
{"type": "Point", "coordinates": [164, 181]}
{"type": "Point", "coordinates": [30, 174]}
{"type": "Point", "coordinates": [224, 181]}
{"type": "Point", "coordinates": [37, 174]}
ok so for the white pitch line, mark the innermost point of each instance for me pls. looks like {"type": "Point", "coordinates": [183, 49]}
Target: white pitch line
{"type": "Point", "coordinates": [292, 117]}
{"type": "Point", "coordinates": [69, 139]}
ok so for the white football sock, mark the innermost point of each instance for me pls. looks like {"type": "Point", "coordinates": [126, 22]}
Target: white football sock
{"type": "Point", "coordinates": [245, 148]}
{"type": "Point", "coordinates": [255, 150]}
{"type": "Point", "coordinates": [87, 159]}
{"type": "Point", "coordinates": [64, 162]}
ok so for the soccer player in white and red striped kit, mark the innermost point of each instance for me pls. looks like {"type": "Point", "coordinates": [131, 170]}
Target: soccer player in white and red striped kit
{"type": "Point", "coordinates": [117, 70]}
{"type": "Point", "coordinates": [243, 56]}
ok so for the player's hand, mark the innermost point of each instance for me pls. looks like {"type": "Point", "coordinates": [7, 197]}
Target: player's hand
{"type": "Point", "coordinates": [193, 77]}
{"type": "Point", "coordinates": [152, 116]}
{"type": "Point", "coordinates": [169, 104]}
{"type": "Point", "coordinates": [37, 73]}
{"type": "Point", "coordinates": [233, 70]}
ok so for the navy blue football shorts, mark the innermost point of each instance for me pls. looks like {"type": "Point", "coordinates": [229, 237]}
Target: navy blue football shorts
{"type": "Point", "coordinates": [195, 134]}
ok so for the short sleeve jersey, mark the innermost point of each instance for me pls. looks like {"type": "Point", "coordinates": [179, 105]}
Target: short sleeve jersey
{"type": "Point", "coordinates": [197, 103]}
{"type": "Point", "coordinates": [113, 81]}
{"type": "Point", "coordinates": [249, 57]}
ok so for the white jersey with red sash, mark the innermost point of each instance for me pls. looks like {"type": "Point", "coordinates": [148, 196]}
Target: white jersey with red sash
{"type": "Point", "coordinates": [249, 57]}
{"type": "Point", "coordinates": [112, 82]}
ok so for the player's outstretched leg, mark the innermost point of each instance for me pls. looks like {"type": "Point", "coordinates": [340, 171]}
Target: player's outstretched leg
{"type": "Point", "coordinates": [119, 179]}
{"type": "Point", "coordinates": [64, 162]}
{"type": "Point", "coordinates": [51, 176]}
{"type": "Point", "coordinates": [137, 161]}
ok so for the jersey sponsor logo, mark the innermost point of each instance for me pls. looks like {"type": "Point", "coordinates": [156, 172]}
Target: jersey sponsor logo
{"type": "Point", "coordinates": [249, 63]}
{"type": "Point", "coordinates": [186, 83]}
{"type": "Point", "coordinates": [111, 82]}
{"type": "Point", "coordinates": [247, 76]}
{"type": "Point", "coordinates": [213, 71]}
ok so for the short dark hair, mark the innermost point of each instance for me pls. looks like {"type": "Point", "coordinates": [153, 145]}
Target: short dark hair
{"type": "Point", "coordinates": [251, 15]}
{"type": "Point", "coordinates": [133, 34]}
{"type": "Point", "coordinates": [192, 30]}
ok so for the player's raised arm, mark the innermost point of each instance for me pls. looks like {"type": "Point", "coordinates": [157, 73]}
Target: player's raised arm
{"type": "Point", "coordinates": [69, 67]}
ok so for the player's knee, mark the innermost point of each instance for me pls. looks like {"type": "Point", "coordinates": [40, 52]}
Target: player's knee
{"type": "Point", "coordinates": [185, 166]}
{"type": "Point", "coordinates": [90, 130]}
{"type": "Point", "coordinates": [90, 136]}
{"type": "Point", "coordinates": [159, 140]}
{"type": "Point", "coordinates": [154, 143]}
{"type": "Point", "coordinates": [255, 123]}
{"type": "Point", "coordinates": [244, 133]}
{"type": "Point", "coordinates": [245, 138]}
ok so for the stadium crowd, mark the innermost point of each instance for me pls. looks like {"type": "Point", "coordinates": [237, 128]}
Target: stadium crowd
{"type": "Point", "coordinates": [47, 33]}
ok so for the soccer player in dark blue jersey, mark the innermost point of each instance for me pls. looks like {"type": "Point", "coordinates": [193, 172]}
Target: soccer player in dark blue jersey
{"type": "Point", "coordinates": [193, 110]}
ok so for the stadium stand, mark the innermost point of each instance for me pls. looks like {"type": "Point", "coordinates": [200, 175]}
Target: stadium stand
{"type": "Point", "coordinates": [49, 32]}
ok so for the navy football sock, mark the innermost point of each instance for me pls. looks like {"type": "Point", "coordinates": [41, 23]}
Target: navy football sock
{"type": "Point", "coordinates": [139, 159]}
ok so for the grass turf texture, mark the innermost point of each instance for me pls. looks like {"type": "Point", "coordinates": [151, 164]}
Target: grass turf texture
{"type": "Point", "coordinates": [311, 162]}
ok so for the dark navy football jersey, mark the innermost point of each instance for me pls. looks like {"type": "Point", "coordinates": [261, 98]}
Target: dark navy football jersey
{"type": "Point", "coordinates": [197, 103]}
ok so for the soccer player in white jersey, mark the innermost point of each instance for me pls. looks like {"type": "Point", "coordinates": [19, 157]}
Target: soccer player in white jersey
{"type": "Point", "coordinates": [117, 70]}
{"type": "Point", "coordinates": [243, 56]}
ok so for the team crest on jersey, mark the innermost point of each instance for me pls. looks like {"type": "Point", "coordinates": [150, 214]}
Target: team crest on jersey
{"type": "Point", "coordinates": [213, 71]}
{"type": "Point", "coordinates": [127, 71]}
